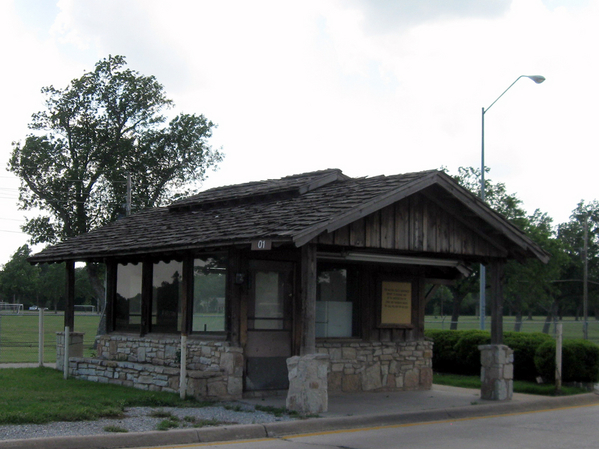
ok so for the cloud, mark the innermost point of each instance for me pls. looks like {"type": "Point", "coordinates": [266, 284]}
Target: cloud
{"type": "Point", "coordinates": [382, 16]}
{"type": "Point", "coordinates": [131, 29]}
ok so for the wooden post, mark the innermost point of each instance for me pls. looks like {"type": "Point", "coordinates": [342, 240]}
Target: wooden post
{"type": "Point", "coordinates": [497, 267]}
{"type": "Point", "coordinates": [309, 279]}
{"type": "Point", "coordinates": [110, 294]}
{"type": "Point", "coordinates": [234, 291]}
{"type": "Point", "coordinates": [146, 296]}
{"type": "Point", "coordinates": [187, 296]}
{"type": "Point", "coordinates": [69, 311]}
{"type": "Point", "coordinates": [186, 320]}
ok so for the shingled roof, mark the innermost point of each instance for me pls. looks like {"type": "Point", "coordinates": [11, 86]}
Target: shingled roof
{"type": "Point", "coordinates": [293, 210]}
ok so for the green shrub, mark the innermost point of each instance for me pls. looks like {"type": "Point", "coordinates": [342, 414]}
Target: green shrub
{"type": "Point", "coordinates": [444, 358]}
{"type": "Point", "coordinates": [467, 352]}
{"type": "Point", "coordinates": [525, 346]}
{"type": "Point", "coordinates": [580, 361]}
{"type": "Point", "coordinates": [457, 351]}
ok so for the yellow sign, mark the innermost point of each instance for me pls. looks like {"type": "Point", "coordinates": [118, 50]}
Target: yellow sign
{"type": "Point", "coordinates": [396, 303]}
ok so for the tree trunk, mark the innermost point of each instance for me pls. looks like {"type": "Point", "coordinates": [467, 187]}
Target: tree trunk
{"type": "Point", "coordinates": [518, 322]}
{"type": "Point", "coordinates": [552, 312]}
{"type": "Point", "coordinates": [455, 311]}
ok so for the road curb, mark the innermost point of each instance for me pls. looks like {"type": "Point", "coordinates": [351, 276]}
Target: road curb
{"type": "Point", "coordinates": [289, 428]}
{"type": "Point", "coordinates": [286, 428]}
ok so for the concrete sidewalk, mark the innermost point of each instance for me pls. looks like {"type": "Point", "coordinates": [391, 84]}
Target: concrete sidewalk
{"type": "Point", "coordinates": [345, 412]}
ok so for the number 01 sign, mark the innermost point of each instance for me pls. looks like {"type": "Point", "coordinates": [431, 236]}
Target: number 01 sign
{"type": "Point", "coordinates": [261, 245]}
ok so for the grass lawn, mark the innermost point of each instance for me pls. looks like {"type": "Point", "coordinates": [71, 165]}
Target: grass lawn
{"type": "Point", "coordinates": [520, 386]}
{"type": "Point", "coordinates": [19, 335]}
{"type": "Point", "coordinates": [41, 395]}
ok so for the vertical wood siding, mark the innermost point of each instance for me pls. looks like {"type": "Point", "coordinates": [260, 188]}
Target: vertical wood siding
{"type": "Point", "coordinates": [414, 224]}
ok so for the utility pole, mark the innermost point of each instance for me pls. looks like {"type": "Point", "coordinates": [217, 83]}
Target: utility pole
{"type": "Point", "coordinates": [128, 207]}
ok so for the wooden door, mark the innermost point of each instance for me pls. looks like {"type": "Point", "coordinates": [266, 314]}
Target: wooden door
{"type": "Point", "coordinates": [270, 320]}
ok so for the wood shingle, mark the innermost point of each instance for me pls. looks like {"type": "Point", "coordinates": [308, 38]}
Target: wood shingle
{"type": "Point", "coordinates": [300, 208]}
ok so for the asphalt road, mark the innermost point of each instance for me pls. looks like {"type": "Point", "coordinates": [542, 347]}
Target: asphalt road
{"type": "Point", "coordinates": [575, 427]}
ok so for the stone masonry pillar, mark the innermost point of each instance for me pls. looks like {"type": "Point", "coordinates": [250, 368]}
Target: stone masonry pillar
{"type": "Point", "coordinates": [75, 347]}
{"type": "Point", "coordinates": [308, 384]}
{"type": "Point", "coordinates": [497, 372]}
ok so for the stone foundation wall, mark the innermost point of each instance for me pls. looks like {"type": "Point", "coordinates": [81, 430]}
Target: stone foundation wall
{"type": "Point", "coordinates": [379, 366]}
{"type": "Point", "coordinates": [214, 368]}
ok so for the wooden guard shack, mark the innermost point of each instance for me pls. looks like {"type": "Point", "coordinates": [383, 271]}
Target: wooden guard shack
{"type": "Point", "coordinates": [236, 280]}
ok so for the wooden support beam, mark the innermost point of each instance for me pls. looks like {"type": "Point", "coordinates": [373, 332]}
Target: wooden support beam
{"type": "Point", "coordinates": [146, 296]}
{"type": "Point", "coordinates": [308, 298]}
{"type": "Point", "coordinates": [236, 280]}
{"type": "Point", "coordinates": [431, 291]}
{"type": "Point", "coordinates": [69, 312]}
{"type": "Point", "coordinates": [110, 294]}
{"type": "Point", "coordinates": [187, 295]}
{"type": "Point", "coordinates": [497, 273]}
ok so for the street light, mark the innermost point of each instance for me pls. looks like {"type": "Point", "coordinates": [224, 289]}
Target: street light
{"type": "Point", "coordinates": [538, 80]}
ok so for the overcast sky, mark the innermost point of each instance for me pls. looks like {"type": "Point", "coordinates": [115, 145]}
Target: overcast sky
{"type": "Point", "coordinates": [368, 86]}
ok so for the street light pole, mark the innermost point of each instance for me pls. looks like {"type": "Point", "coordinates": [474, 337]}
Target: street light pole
{"type": "Point", "coordinates": [585, 285]}
{"type": "Point", "coordinates": [483, 272]}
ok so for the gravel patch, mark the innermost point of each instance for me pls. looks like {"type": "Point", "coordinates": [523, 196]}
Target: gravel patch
{"type": "Point", "coordinates": [143, 419]}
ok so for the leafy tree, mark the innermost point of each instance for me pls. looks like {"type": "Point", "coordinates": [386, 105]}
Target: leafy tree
{"type": "Point", "coordinates": [103, 126]}
{"type": "Point", "coordinates": [51, 283]}
{"type": "Point", "coordinates": [41, 285]}
{"type": "Point", "coordinates": [18, 280]}
{"type": "Point", "coordinates": [496, 197]}
{"type": "Point", "coordinates": [528, 284]}
{"type": "Point", "coordinates": [572, 236]}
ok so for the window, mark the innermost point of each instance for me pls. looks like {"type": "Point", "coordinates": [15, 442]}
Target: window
{"type": "Point", "coordinates": [128, 297]}
{"type": "Point", "coordinates": [334, 305]}
{"type": "Point", "coordinates": [271, 296]}
{"type": "Point", "coordinates": [160, 310]}
{"type": "Point", "coordinates": [166, 296]}
{"type": "Point", "coordinates": [269, 303]}
{"type": "Point", "coordinates": [209, 287]}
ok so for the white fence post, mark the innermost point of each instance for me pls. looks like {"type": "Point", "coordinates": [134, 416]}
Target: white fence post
{"type": "Point", "coordinates": [67, 343]}
{"type": "Point", "coordinates": [558, 357]}
{"type": "Point", "coordinates": [183, 372]}
{"type": "Point", "coordinates": [40, 357]}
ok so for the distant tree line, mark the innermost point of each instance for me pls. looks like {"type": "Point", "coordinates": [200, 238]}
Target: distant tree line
{"type": "Point", "coordinates": [41, 285]}
{"type": "Point", "coordinates": [532, 289]}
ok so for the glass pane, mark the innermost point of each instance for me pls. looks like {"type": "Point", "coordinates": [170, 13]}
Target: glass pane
{"type": "Point", "coordinates": [166, 296]}
{"type": "Point", "coordinates": [128, 297]}
{"type": "Point", "coordinates": [209, 287]}
{"type": "Point", "coordinates": [269, 307]}
{"type": "Point", "coordinates": [332, 285]}
{"type": "Point", "coordinates": [334, 310]}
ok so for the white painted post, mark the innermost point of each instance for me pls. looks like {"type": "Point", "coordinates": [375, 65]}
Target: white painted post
{"type": "Point", "coordinates": [67, 343]}
{"type": "Point", "coordinates": [40, 357]}
{"type": "Point", "coordinates": [183, 371]}
{"type": "Point", "coordinates": [558, 357]}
